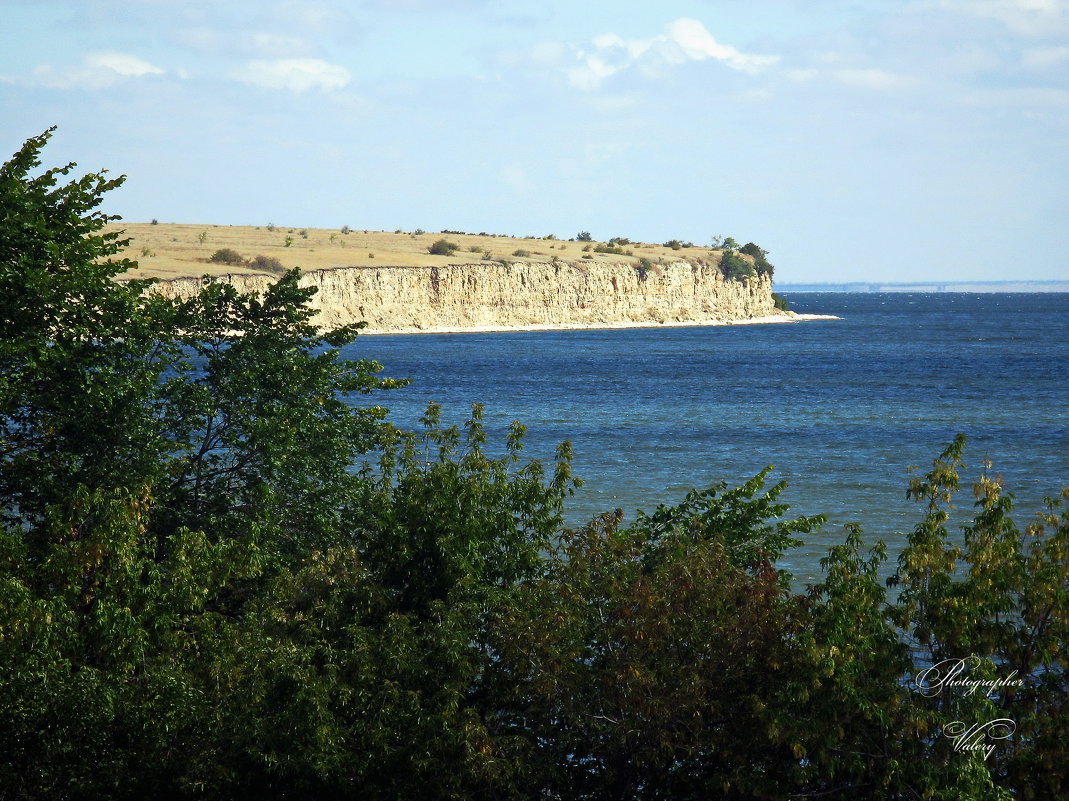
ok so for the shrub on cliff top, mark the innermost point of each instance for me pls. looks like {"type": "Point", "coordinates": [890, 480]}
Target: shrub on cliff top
{"type": "Point", "coordinates": [227, 256]}
{"type": "Point", "coordinates": [443, 247]}
{"type": "Point", "coordinates": [268, 264]}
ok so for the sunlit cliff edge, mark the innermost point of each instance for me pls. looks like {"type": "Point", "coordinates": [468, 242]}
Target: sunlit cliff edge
{"type": "Point", "coordinates": [554, 284]}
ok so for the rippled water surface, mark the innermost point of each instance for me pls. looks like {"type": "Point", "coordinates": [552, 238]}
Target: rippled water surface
{"type": "Point", "coordinates": [841, 408]}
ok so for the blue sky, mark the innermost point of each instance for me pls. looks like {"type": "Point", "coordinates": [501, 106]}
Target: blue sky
{"type": "Point", "coordinates": [853, 139]}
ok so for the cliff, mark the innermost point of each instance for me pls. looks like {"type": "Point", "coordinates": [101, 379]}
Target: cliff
{"type": "Point", "coordinates": [492, 295]}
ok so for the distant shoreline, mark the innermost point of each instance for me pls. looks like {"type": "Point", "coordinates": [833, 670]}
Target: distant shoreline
{"type": "Point", "coordinates": [971, 287]}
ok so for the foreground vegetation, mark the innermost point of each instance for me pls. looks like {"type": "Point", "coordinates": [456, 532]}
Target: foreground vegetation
{"type": "Point", "coordinates": [222, 575]}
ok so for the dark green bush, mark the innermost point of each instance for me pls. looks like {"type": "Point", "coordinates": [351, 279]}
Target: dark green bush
{"type": "Point", "coordinates": [227, 256]}
{"type": "Point", "coordinates": [267, 264]}
{"type": "Point", "coordinates": [736, 267]}
{"type": "Point", "coordinates": [760, 258]}
{"type": "Point", "coordinates": [443, 247]}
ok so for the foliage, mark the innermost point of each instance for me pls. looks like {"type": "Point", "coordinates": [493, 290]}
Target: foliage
{"type": "Point", "coordinates": [521, 253]}
{"type": "Point", "coordinates": [620, 670]}
{"type": "Point", "coordinates": [443, 247]}
{"type": "Point", "coordinates": [584, 236]}
{"type": "Point", "coordinates": [227, 256]}
{"type": "Point", "coordinates": [616, 249]}
{"type": "Point", "coordinates": [736, 267]}
{"type": "Point", "coordinates": [780, 302]}
{"type": "Point", "coordinates": [221, 576]}
{"type": "Point", "coordinates": [760, 259]}
{"type": "Point", "coordinates": [268, 264]}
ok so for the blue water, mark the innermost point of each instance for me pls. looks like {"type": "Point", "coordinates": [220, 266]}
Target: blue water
{"type": "Point", "coordinates": [841, 408]}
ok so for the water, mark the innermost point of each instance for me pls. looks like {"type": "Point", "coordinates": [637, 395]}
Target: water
{"type": "Point", "coordinates": [841, 408]}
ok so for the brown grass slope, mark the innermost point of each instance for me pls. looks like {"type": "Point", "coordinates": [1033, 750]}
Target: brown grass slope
{"type": "Point", "coordinates": [179, 250]}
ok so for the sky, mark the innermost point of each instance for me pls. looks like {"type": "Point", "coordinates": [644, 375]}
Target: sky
{"type": "Point", "coordinates": [855, 140]}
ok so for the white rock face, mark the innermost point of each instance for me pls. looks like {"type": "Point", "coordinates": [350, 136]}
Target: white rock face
{"type": "Point", "coordinates": [520, 295]}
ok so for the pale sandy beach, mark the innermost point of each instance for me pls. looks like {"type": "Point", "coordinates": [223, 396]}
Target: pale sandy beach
{"type": "Point", "coordinates": [769, 319]}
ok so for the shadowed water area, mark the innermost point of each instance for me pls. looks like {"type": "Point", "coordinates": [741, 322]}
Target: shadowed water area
{"type": "Point", "coordinates": [841, 408]}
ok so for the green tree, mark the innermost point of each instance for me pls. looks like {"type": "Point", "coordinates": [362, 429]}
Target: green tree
{"type": "Point", "coordinates": [760, 259]}
{"type": "Point", "coordinates": [736, 267]}
{"type": "Point", "coordinates": [160, 461]}
{"type": "Point", "coordinates": [222, 575]}
{"type": "Point", "coordinates": [621, 670]}
{"type": "Point", "coordinates": [78, 351]}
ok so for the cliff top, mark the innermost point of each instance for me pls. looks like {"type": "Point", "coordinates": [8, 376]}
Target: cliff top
{"type": "Point", "coordinates": [176, 250]}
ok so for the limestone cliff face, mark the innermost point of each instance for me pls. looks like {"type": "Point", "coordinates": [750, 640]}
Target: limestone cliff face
{"type": "Point", "coordinates": [519, 295]}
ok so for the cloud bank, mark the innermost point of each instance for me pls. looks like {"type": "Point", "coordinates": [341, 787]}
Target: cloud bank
{"type": "Point", "coordinates": [684, 40]}
{"type": "Point", "coordinates": [293, 74]}
{"type": "Point", "coordinates": [97, 71]}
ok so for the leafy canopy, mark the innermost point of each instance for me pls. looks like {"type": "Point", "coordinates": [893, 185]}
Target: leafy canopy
{"type": "Point", "coordinates": [222, 575]}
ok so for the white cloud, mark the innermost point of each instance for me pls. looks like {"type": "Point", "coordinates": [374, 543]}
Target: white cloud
{"type": "Point", "coordinates": [1021, 98]}
{"type": "Point", "coordinates": [1044, 57]}
{"type": "Point", "coordinates": [122, 64]}
{"type": "Point", "coordinates": [246, 43]}
{"type": "Point", "coordinates": [684, 40]}
{"type": "Point", "coordinates": [97, 71]}
{"type": "Point", "coordinates": [1025, 17]}
{"type": "Point", "coordinates": [697, 44]}
{"type": "Point", "coordinates": [876, 79]}
{"type": "Point", "coordinates": [274, 44]}
{"type": "Point", "coordinates": [293, 74]}
{"type": "Point", "coordinates": [803, 75]}
{"type": "Point", "coordinates": [860, 77]}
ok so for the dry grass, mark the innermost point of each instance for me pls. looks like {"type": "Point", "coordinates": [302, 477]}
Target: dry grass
{"type": "Point", "coordinates": [174, 250]}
